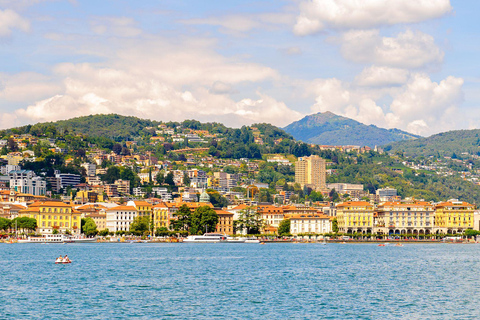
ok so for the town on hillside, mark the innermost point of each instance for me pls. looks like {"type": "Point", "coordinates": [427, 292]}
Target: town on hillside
{"type": "Point", "coordinates": [191, 178]}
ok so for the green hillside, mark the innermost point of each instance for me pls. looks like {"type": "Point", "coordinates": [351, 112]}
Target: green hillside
{"type": "Point", "coordinates": [442, 144]}
{"type": "Point", "coordinates": [330, 129]}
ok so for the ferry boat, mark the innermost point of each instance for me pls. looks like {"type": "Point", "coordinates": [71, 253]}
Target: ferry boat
{"type": "Point", "coordinates": [47, 238]}
{"type": "Point", "coordinates": [80, 240]}
{"type": "Point", "coordinates": [206, 238]}
{"type": "Point", "coordinates": [56, 238]}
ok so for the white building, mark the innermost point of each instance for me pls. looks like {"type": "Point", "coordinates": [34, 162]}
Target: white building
{"type": "Point", "coordinates": [7, 168]}
{"type": "Point", "coordinates": [309, 223]}
{"type": "Point", "coordinates": [90, 168]}
{"type": "Point", "coordinates": [25, 181]}
{"type": "Point", "coordinates": [119, 218]}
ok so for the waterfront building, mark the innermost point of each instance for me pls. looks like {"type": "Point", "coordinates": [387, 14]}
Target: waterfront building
{"type": "Point", "coordinates": [161, 215]}
{"type": "Point", "coordinates": [355, 216]}
{"type": "Point", "coordinates": [407, 217]}
{"type": "Point", "coordinates": [144, 208]}
{"type": "Point", "coordinates": [271, 215]}
{"type": "Point", "coordinates": [309, 223]}
{"type": "Point", "coordinates": [120, 218]}
{"type": "Point", "coordinates": [310, 172]}
{"type": "Point", "coordinates": [453, 216]}
{"type": "Point", "coordinates": [96, 212]}
{"type": "Point", "coordinates": [52, 215]}
{"type": "Point", "coordinates": [225, 222]}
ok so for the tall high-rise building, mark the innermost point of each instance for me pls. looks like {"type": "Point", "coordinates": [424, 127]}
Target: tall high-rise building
{"type": "Point", "coordinates": [310, 171]}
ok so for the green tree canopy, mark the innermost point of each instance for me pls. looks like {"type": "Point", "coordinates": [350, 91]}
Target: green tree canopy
{"type": "Point", "coordinates": [216, 199]}
{"type": "Point", "coordinates": [284, 227]}
{"type": "Point", "coordinates": [250, 220]}
{"type": "Point", "coordinates": [182, 219]}
{"type": "Point", "coordinates": [140, 225]}
{"type": "Point", "coordinates": [89, 228]}
{"type": "Point", "coordinates": [204, 219]}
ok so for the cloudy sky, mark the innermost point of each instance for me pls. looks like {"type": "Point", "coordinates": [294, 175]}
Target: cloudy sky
{"type": "Point", "coordinates": [408, 64]}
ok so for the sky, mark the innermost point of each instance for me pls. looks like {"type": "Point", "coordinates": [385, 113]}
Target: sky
{"type": "Point", "coordinates": [403, 64]}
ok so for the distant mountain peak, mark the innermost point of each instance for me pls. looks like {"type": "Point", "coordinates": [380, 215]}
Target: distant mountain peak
{"type": "Point", "coordinates": [328, 128]}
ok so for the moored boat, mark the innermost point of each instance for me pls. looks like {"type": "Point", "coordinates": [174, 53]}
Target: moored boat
{"type": "Point", "coordinates": [206, 238]}
{"type": "Point", "coordinates": [47, 238]}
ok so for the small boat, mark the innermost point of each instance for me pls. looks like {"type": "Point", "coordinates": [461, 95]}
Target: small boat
{"type": "Point", "coordinates": [399, 245]}
{"type": "Point", "coordinates": [62, 261]}
{"type": "Point", "coordinates": [381, 245]}
{"type": "Point", "coordinates": [262, 243]}
{"type": "Point", "coordinates": [252, 241]}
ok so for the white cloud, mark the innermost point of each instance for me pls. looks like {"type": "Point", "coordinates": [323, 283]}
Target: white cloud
{"type": "Point", "coordinates": [27, 86]}
{"type": "Point", "coordinates": [375, 76]}
{"type": "Point", "coordinates": [424, 102]}
{"type": "Point", "coordinates": [10, 20]}
{"type": "Point", "coordinates": [318, 15]}
{"type": "Point", "coordinates": [410, 49]}
{"type": "Point", "coordinates": [164, 80]}
{"type": "Point", "coordinates": [420, 105]}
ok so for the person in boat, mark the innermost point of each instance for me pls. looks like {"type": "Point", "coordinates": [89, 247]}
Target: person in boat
{"type": "Point", "coordinates": [66, 259]}
{"type": "Point", "coordinates": [59, 259]}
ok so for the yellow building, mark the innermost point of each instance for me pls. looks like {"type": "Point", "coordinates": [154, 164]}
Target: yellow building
{"type": "Point", "coordinates": [144, 208]}
{"type": "Point", "coordinates": [355, 216]}
{"type": "Point", "coordinates": [453, 216]}
{"type": "Point", "coordinates": [405, 217]}
{"type": "Point", "coordinates": [225, 222]}
{"type": "Point", "coordinates": [52, 215]}
{"type": "Point", "coordinates": [310, 171]}
{"type": "Point", "coordinates": [161, 216]}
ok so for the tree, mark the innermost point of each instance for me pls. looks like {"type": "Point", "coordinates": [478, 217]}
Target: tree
{"type": "Point", "coordinates": [5, 224]}
{"type": "Point", "coordinates": [182, 219]}
{"type": "Point", "coordinates": [216, 199]}
{"type": "Point", "coordinates": [334, 195]}
{"type": "Point", "coordinates": [204, 219]}
{"type": "Point", "coordinates": [117, 148]}
{"type": "Point", "coordinates": [104, 232]}
{"type": "Point", "coordinates": [140, 225]}
{"type": "Point", "coordinates": [89, 228]}
{"type": "Point", "coordinates": [186, 180]}
{"type": "Point", "coordinates": [25, 223]}
{"type": "Point", "coordinates": [335, 225]}
{"type": "Point", "coordinates": [162, 232]}
{"type": "Point", "coordinates": [169, 179]}
{"type": "Point", "coordinates": [160, 178]}
{"type": "Point", "coordinates": [284, 227]}
{"type": "Point", "coordinates": [12, 145]}
{"type": "Point", "coordinates": [250, 220]}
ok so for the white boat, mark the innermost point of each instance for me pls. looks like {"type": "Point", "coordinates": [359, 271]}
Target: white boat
{"type": "Point", "coordinates": [81, 240]}
{"type": "Point", "coordinates": [47, 238]}
{"type": "Point", "coordinates": [252, 241]}
{"type": "Point", "coordinates": [206, 238]}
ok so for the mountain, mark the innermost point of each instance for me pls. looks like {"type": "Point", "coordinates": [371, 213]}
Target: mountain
{"type": "Point", "coordinates": [330, 129]}
{"type": "Point", "coordinates": [442, 144]}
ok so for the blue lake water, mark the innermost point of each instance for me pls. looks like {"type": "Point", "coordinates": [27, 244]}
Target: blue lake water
{"type": "Point", "coordinates": [240, 281]}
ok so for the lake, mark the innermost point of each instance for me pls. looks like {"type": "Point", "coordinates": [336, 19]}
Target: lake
{"type": "Point", "coordinates": [240, 281]}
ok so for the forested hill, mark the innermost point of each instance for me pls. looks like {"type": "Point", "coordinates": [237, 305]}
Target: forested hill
{"type": "Point", "coordinates": [452, 143]}
{"type": "Point", "coordinates": [111, 126]}
{"type": "Point", "coordinates": [330, 129]}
